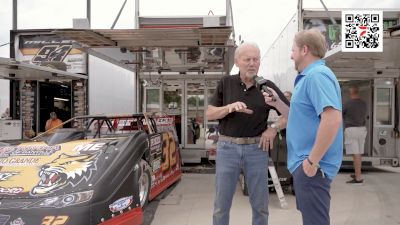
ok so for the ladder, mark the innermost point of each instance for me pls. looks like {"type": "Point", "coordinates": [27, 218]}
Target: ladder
{"type": "Point", "coordinates": [275, 181]}
{"type": "Point", "coordinates": [277, 184]}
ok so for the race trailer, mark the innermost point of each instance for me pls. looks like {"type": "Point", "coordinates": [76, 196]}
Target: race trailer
{"type": "Point", "coordinates": [377, 75]}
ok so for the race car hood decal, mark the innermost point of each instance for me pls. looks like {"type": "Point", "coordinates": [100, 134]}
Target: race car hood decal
{"type": "Point", "coordinates": [35, 169]}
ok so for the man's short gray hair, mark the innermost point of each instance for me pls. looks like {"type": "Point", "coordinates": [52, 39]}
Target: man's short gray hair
{"type": "Point", "coordinates": [239, 49]}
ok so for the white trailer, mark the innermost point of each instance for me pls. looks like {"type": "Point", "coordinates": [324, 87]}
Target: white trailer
{"type": "Point", "coordinates": [376, 74]}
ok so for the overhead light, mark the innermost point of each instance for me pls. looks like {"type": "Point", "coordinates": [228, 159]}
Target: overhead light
{"type": "Point", "coordinates": [61, 99]}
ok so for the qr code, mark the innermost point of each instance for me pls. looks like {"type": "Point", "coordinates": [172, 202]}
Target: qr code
{"type": "Point", "coordinates": [362, 31]}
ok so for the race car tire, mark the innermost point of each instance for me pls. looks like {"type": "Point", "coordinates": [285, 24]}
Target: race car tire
{"type": "Point", "coordinates": [144, 183]}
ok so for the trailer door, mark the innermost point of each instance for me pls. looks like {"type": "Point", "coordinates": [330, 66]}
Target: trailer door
{"type": "Point", "coordinates": [383, 141]}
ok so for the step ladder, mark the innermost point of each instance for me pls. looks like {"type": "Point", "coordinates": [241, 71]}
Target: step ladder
{"type": "Point", "coordinates": [277, 184]}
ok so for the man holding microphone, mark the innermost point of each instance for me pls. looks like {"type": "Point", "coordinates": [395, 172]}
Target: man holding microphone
{"type": "Point", "coordinates": [314, 129]}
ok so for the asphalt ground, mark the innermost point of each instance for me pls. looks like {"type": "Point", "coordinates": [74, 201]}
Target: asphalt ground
{"type": "Point", "coordinates": [189, 202]}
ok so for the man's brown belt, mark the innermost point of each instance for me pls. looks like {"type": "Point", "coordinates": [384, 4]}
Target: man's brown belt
{"type": "Point", "coordinates": [240, 140]}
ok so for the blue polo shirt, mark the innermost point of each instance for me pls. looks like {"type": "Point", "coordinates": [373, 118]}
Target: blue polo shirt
{"type": "Point", "coordinates": [315, 88]}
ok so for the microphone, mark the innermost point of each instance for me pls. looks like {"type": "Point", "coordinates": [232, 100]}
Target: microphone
{"type": "Point", "coordinates": [262, 84]}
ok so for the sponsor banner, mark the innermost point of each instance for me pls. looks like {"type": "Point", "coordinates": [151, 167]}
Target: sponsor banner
{"type": "Point", "coordinates": [330, 31]}
{"type": "Point", "coordinates": [52, 51]}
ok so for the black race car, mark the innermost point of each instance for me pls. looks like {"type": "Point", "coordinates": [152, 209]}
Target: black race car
{"type": "Point", "coordinates": [102, 172]}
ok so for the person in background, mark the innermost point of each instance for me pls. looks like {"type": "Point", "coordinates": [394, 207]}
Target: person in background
{"type": "Point", "coordinates": [314, 129]}
{"type": "Point", "coordinates": [244, 138]}
{"type": "Point", "coordinates": [355, 132]}
{"type": "Point", "coordinates": [53, 121]}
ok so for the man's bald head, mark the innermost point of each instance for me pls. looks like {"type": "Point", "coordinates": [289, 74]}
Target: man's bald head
{"type": "Point", "coordinates": [245, 46]}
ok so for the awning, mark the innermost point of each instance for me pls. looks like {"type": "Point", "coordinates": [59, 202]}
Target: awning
{"type": "Point", "coordinates": [366, 65]}
{"type": "Point", "coordinates": [135, 39]}
{"type": "Point", "coordinates": [14, 70]}
{"type": "Point", "coordinates": [202, 49]}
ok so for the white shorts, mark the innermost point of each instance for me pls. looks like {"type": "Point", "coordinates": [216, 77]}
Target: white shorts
{"type": "Point", "coordinates": [354, 140]}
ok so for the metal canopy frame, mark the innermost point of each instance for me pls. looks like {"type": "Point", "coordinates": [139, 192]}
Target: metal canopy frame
{"type": "Point", "coordinates": [149, 48]}
{"type": "Point", "coordinates": [136, 39]}
{"type": "Point", "coordinates": [362, 65]}
{"type": "Point", "coordinates": [163, 43]}
{"type": "Point", "coordinates": [366, 65]}
{"type": "Point", "coordinates": [15, 70]}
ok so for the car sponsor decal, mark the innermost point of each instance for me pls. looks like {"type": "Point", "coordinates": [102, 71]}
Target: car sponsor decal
{"type": "Point", "coordinates": [34, 168]}
{"type": "Point", "coordinates": [166, 124]}
{"type": "Point", "coordinates": [155, 145]}
{"type": "Point", "coordinates": [33, 150]}
{"type": "Point", "coordinates": [165, 121]}
{"type": "Point", "coordinates": [155, 140]}
{"type": "Point", "coordinates": [89, 147]}
{"type": "Point", "coordinates": [156, 164]}
{"type": "Point", "coordinates": [6, 175]}
{"type": "Point", "coordinates": [64, 170]}
{"type": "Point", "coordinates": [18, 221]}
{"type": "Point", "coordinates": [160, 179]}
{"type": "Point", "coordinates": [19, 161]}
{"type": "Point", "coordinates": [10, 190]}
{"type": "Point", "coordinates": [121, 204]}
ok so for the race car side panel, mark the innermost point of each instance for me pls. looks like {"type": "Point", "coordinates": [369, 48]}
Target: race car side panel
{"type": "Point", "coordinates": [77, 215]}
{"type": "Point", "coordinates": [118, 190]}
{"type": "Point", "coordinates": [164, 161]}
{"type": "Point", "coordinates": [106, 191]}
{"type": "Point", "coordinates": [132, 217]}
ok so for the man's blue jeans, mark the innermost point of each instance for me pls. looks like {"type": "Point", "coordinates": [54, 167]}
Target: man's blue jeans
{"type": "Point", "coordinates": [231, 159]}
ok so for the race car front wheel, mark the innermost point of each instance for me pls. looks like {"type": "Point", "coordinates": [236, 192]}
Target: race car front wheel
{"type": "Point", "coordinates": [144, 183]}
